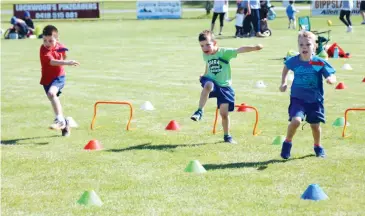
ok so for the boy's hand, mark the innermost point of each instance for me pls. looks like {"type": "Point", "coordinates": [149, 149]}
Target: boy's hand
{"type": "Point", "coordinates": [283, 87]}
{"type": "Point", "coordinates": [259, 46]}
{"type": "Point", "coordinates": [331, 79]}
{"type": "Point", "coordinates": [73, 63]}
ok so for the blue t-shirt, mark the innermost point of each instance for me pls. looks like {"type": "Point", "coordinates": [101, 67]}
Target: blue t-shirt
{"type": "Point", "coordinates": [308, 84]}
{"type": "Point", "coordinates": [290, 11]}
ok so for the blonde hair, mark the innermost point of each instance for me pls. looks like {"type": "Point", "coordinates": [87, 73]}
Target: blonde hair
{"type": "Point", "coordinates": [206, 35]}
{"type": "Point", "coordinates": [309, 35]}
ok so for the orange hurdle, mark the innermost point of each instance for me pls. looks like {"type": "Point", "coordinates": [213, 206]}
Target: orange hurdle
{"type": "Point", "coordinates": [255, 133]}
{"type": "Point", "coordinates": [349, 109]}
{"type": "Point", "coordinates": [112, 102]}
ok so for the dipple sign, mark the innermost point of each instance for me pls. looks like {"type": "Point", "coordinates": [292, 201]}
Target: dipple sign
{"type": "Point", "coordinates": [321, 7]}
{"type": "Point", "coordinates": [58, 11]}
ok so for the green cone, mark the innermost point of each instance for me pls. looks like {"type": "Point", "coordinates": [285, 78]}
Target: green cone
{"type": "Point", "coordinates": [278, 140]}
{"type": "Point", "coordinates": [195, 167]}
{"type": "Point", "coordinates": [90, 198]}
{"type": "Point", "coordinates": [340, 122]}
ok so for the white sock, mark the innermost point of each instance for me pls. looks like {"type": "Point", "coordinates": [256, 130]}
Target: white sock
{"type": "Point", "coordinates": [60, 118]}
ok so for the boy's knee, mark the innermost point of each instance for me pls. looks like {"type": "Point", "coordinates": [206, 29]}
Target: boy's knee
{"type": "Point", "coordinates": [51, 94]}
{"type": "Point", "coordinates": [315, 126]}
{"type": "Point", "coordinates": [296, 121]}
{"type": "Point", "coordinates": [224, 115]}
{"type": "Point", "coordinates": [209, 86]}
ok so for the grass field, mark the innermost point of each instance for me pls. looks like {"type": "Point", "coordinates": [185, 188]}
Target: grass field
{"type": "Point", "coordinates": [141, 172]}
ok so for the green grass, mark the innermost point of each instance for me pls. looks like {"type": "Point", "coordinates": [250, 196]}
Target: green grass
{"type": "Point", "coordinates": [140, 172]}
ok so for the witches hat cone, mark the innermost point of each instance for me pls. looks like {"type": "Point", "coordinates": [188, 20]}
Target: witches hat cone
{"type": "Point", "coordinates": [195, 166]}
{"type": "Point", "coordinates": [93, 145]}
{"type": "Point", "coordinates": [90, 198]}
{"type": "Point", "coordinates": [340, 86]}
{"type": "Point", "coordinates": [314, 192]}
{"type": "Point", "coordinates": [173, 125]}
{"type": "Point", "coordinates": [147, 106]}
{"type": "Point", "coordinates": [243, 108]}
{"type": "Point", "coordinates": [278, 140]}
{"type": "Point", "coordinates": [340, 122]}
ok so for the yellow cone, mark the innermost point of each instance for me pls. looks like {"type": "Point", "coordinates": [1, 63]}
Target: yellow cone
{"type": "Point", "coordinates": [329, 22]}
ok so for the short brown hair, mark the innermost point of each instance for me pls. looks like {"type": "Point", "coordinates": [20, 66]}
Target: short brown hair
{"type": "Point", "coordinates": [49, 29]}
{"type": "Point", "coordinates": [206, 35]}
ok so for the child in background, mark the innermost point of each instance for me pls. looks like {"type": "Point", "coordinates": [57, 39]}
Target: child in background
{"type": "Point", "coordinates": [217, 81]}
{"type": "Point", "coordinates": [240, 16]}
{"type": "Point", "coordinates": [307, 96]}
{"type": "Point", "coordinates": [290, 12]}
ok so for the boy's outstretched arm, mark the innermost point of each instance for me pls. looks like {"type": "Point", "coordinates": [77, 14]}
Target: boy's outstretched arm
{"type": "Point", "coordinates": [249, 48]}
{"type": "Point", "coordinates": [284, 77]}
{"type": "Point", "coordinates": [55, 62]}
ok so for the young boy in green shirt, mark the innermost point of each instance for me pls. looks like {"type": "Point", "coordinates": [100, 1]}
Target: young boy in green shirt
{"type": "Point", "coordinates": [216, 81]}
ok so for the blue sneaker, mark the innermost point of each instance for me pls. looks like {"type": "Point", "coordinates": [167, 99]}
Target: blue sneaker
{"type": "Point", "coordinates": [229, 139]}
{"type": "Point", "coordinates": [319, 150]}
{"type": "Point", "coordinates": [285, 150]}
{"type": "Point", "coordinates": [197, 116]}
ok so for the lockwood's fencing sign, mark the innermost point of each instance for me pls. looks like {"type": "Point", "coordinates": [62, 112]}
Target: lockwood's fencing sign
{"type": "Point", "coordinates": [159, 9]}
{"type": "Point", "coordinates": [58, 11]}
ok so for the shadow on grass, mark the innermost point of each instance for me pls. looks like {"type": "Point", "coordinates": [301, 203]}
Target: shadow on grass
{"type": "Point", "coordinates": [15, 141]}
{"type": "Point", "coordinates": [162, 147]}
{"type": "Point", "coordinates": [261, 165]}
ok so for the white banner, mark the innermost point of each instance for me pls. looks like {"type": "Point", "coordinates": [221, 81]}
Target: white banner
{"type": "Point", "coordinates": [159, 9]}
{"type": "Point", "coordinates": [321, 7]}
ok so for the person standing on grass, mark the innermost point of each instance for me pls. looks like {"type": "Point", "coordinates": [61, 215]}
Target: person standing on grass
{"type": "Point", "coordinates": [307, 96]}
{"type": "Point", "coordinates": [53, 58]}
{"type": "Point", "coordinates": [347, 6]}
{"type": "Point", "coordinates": [362, 11]}
{"type": "Point", "coordinates": [220, 9]}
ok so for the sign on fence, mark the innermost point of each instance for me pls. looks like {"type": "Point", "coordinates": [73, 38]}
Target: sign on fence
{"type": "Point", "coordinates": [58, 11]}
{"type": "Point", "coordinates": [320, 7]}
{"type": "Point", "coordinates": [159, 9]}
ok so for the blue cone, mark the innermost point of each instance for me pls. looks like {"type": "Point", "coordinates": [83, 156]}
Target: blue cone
{"type": "Point", "coordinates": [314, 192]}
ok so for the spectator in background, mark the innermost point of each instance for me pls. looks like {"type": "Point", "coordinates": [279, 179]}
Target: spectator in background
{"type": "Point", "coordinates": [19, 26]}
{"type": "Point", "coordinates": [252, 16]}
{"type": "Point", "coordinates": [362, 11]}
{"type": "Point", "coordinates": [220, 9]}
{"type": "Point", "coordinates": [347, 6]}
{"type": "Point", "coordinates": [28, 20]}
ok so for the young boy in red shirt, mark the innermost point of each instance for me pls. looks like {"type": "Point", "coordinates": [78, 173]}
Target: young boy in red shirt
{"type": "Point", "coordinates": [52, 57]}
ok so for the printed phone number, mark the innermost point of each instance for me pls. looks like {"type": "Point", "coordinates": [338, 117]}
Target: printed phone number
{"type": "Point", "coordinates": [56, 15]}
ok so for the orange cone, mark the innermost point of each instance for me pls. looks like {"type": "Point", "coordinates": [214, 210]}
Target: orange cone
{"type": "Point", "coordinates": [341, 85]}
{"type": "Point", "coordinates": [173, 125]}
{"type": "Point", "coordinates": [93, 145]}
{"type": "Point", "coordinates": [242, 108]}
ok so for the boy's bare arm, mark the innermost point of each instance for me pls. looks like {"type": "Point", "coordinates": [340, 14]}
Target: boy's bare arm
{"type": "Point", "coordinates": [245, 49]}
{"type": "Point", "coordinates": [331, 79]}
{"type": "Point", "coordinates": [55, 62]}
{"type": "Point", "coordinates": [284, 77]}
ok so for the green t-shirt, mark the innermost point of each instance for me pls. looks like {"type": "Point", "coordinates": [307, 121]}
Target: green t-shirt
{"type": "Point", "coordinates": [219, 68]}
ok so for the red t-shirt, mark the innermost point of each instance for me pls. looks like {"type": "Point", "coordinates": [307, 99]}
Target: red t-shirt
{"type": "Point", "coordinates": [49, 72]}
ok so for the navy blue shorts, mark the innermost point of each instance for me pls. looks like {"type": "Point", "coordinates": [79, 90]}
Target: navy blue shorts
{"type": "Point", "coordinates": [313, 112]}
{"type": "Point", "coordinates": [223, 94]}
{"type": "Point", "coordinates": [58, 82]}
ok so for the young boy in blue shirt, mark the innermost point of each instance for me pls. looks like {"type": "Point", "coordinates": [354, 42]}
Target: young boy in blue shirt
{"type": "Point", "coordinates": [306, 97]}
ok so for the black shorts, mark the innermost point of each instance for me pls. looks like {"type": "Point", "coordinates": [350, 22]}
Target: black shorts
{"type": "Point", "coordinates": [362, 6]}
